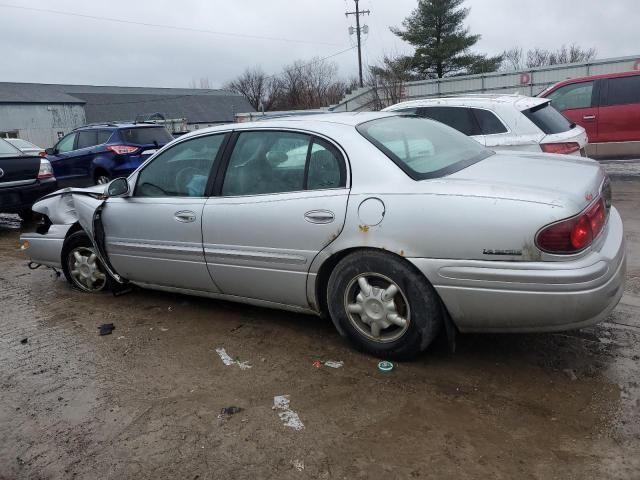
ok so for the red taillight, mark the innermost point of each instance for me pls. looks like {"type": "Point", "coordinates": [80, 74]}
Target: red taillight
{"type": "Point", "coordinates": [122, 149]}
{"type": "Point", "coordinates": [46, 171]}
{"type": "Point", "coordinates": [562, 148]}
{"type": "Point", "coordinates": [42, 154]}
{"type": "Point", "coordinates": [573, 234]}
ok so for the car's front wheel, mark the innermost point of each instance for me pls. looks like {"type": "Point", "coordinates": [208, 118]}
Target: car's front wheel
{"type": "Point", "coordinates": [386, 307]}
{"type": "Point", "coordinates": [81, 266]}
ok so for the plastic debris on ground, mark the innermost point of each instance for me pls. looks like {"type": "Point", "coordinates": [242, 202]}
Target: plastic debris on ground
{"type": "Point", "coordinates": [385, 367]}
{"type": "Point", "coordinates": [227, 360]}
{"type": "Point", "coordinates": [298, 465]}
{"type": "Point", "coordinates": [289, 417]}
{"type": "Point", "coordinates": [328, 363]}
{"type": "Point", "coordinates": [24, 341]}
{"type": "Point", "coordinates": [226, 412]}
{"type": "Point", "coordinates": [106, 329]}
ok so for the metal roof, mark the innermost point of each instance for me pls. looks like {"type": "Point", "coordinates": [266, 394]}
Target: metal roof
{"type": "Point", "coordinates": [104, 103]}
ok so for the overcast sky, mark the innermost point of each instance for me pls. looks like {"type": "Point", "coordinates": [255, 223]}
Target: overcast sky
{"type": "Point", "coordinates": [45, 47]}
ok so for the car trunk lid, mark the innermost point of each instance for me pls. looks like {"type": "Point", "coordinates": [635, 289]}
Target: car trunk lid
{"type": "Point", "coordinates": [554, 179]}
{"type": "Point", "coordinates": [18, 170]}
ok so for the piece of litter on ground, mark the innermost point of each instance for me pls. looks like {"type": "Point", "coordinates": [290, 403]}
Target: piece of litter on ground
{"type": "Point", "coordinates": [106, 329]}
{"type": "Point", "coordinates": [227, 360]}
{"type": "Point", "coordinates": [334, 363]}
{"type": "Point", "coordinates": [170, 309]}
{"type": "Point", "coordinates": [120, 337]}
{"type": "Point", "coordinates": [571, 374]}
{"type": "Point", "coordinates": [289, 417]}
{"type": "Point", "coordinates": [162, 329]}
{"type": "Point", "coordinates": [298, 464]}
{"type": "Point", "coordinates": [317, 364]}
{"type": "Point", "coordinates": [24, 341]}
{"type": "Point", "coordinates": [228, 411]}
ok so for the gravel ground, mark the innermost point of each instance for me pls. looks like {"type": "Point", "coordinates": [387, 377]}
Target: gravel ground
{"type": "Point", "coordinates": [144, 402]}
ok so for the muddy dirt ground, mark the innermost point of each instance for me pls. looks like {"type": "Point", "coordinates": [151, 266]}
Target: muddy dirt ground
{"type": "Point", "coordinates": [144, 401]}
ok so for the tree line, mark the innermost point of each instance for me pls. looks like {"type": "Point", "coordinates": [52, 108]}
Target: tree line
{"type": "Point", "coordinates": [442, 47]}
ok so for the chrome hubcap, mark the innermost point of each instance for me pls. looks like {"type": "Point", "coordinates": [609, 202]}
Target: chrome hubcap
{"type": "Point", "coordinates": [85, 270]}
{"type": "Point", "coordinates": [103, 180]}
{"type": "Point", "coordinates": [377, 307]}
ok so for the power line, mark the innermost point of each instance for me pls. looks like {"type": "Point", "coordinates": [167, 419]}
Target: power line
{"type": "Point", "coordinates": [358, 13]}
{"type": "Point", "coordinates": [158, 25]}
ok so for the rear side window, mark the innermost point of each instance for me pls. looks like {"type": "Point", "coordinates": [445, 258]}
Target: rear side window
{"type": "Point", "coordinates": [488, 122]}
{"type": "Point", "coordinates": [87, 138]}
{"type": "Point", "coordinates": [576, 95]}
{"type": "Point", "coordinates": [548, 119]}
{"type": "Point", "coordinates": [624, 90]}
{"type": "Point", "coordinates": [146, 135]}
{"type": "Point", "coordinates": [103, 136]}
{"type": "Point", "coordinates": [456, 117]}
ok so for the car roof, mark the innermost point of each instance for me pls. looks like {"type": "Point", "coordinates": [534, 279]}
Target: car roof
{"type": "Point", "coordinates": [114, 125]}
{"type": "Point", "coordinates": [521, 102]}
{"type": "Point", "coordinates": [313, 122]}
{"type": "Point", "coordinates": [603, 76]}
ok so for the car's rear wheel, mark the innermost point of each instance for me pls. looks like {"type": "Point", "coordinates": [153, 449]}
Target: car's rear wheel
{"type": "Point", "coordinates": [386, 307]}
{"type": "Point", "coordinates": [81, 266]}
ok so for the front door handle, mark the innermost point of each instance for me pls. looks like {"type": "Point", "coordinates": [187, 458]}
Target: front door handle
{"type": "Point", "coordinates": [319, 216]}
{"type": "Point", "coordinates": [185, 216]}
{"type": "Point", "coordinates": [589, 117]}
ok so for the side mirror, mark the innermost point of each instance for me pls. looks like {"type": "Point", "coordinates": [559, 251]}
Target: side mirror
{"type": "Point", "coordinates": [118, 188]}
{"type": "Point", "coordinates": [50, 151]}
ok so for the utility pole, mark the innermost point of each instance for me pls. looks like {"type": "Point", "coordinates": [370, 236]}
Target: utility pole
{"type": "Point", "coordinates": [359, 30]}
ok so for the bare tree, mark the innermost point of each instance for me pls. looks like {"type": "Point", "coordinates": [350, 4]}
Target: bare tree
{"type": "Point", "coordinates": [387, 80]}
{"type": "Point", "coordinates": [516, 59]}
{"type": "Point", "coordinates": [259, 89]}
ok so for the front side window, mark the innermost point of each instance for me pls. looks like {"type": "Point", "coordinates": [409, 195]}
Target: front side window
{"type": "Point", "coordinates": [181, 171]}
{"type": "Point", "coordinates": [87, 138]}
{"type": "Point", "coordinates": [66, 144]}
{"type": "Point", "coordinates": [421, 147]}
{"type": "Point", "coordinates": [623, 90]}
{"type": "Point", "coordinates": [459, 118]}
{"type": "Point", "coordinates": [576, 95]}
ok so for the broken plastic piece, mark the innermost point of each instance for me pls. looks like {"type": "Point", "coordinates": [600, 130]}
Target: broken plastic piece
{"type": "Point", "coordinates": [228, 411]}
{"type": "Point", "coordinates": [106, 329]}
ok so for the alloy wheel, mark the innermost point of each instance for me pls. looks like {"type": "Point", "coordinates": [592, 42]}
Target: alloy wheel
{"type": "Point", "coordinates": [85, 270]}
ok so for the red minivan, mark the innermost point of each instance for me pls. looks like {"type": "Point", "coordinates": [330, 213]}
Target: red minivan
{"type": "Point", "coordinates": [607, 106]}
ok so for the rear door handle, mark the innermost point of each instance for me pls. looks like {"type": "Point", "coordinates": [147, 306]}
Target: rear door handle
{"type": "Point", "coordinates": [185, 216]}
{"type": "Point", "coordinates": [589, 117]}
{"type": "Point", "coordinates": [319, 216]}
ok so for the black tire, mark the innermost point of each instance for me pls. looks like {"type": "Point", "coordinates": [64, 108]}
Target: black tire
{"type": "Point", "coordinates": [80, 241]}
{"type": "Point", "coordinates": [101, 177]}
{"type": "Point", "coordinates": [416, 300]}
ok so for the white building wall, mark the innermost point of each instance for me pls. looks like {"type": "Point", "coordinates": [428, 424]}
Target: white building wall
{"type": "Point", "coordinates": [41, 124]}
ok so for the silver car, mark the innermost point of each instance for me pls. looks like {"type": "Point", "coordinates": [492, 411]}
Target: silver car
{"type": "Point", "coordinates": [391, 225]}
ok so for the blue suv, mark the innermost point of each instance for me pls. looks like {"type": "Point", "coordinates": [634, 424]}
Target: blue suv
{"type": "Point", "coordinates": [97, 153]}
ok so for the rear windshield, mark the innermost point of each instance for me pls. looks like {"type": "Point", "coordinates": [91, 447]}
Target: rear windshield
{"type": "Point", "coordinates": [146, 135]}
{"type": "Point", "coordinates": [421, 147]}
{"type": "Point", "coordinates": [548, 119]}
{"type": "Point", "coordinates": [7, 150]}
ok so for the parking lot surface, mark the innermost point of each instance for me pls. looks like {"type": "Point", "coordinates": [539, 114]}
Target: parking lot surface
{"type": "Point", "coordinates": [145, 401]}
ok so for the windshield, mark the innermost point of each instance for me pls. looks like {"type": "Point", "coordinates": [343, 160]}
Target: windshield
{"type": "Point", "coordinates": [421, 147]}
{"type": "Point", "coordinates": [146, 135]}
{"type": "Point", "coordinates": [7, 150]}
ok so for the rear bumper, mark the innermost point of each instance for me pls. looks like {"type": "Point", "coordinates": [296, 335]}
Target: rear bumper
{"type": "Point", "coordinates": [17, 199]}
{"type": "Point", "coordinates": [486, 296]}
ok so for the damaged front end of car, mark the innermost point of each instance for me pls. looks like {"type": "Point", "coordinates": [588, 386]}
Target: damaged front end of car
{"type": "Point", "coordinates": [65, 212]}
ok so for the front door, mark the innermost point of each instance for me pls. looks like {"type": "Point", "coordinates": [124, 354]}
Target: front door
{"type": "Point", "coordinates": [283, 198]}
{"type": "Point", "coordinates": [62, 160]}
{"type": "Point", "coordinates": [154, 237]}
{"type": "Point", "coordinates": [579, 103]}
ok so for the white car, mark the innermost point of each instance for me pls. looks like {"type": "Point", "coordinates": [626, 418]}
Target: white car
{"type": "Point", "coordinates": [26, 147]}
{"type": "Point", "coordinates": [503, 122]}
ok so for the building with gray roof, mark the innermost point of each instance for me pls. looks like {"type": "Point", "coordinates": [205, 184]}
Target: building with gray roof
{"type": "Point", "coordinates": [42, 113]}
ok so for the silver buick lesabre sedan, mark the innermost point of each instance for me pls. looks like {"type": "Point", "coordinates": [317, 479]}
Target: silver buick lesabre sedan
{"type": "Point", "coordinates": [391, 225]}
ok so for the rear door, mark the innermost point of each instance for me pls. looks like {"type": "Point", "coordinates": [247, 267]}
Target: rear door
{"type": "Point", "coordinates": [579, 103]}
{"type": "Point", "coordinates": [619, 119]}
{"type": "Point", "coordinates": [282, 199]}
{"type": "Point", "coordinates": [460, 118]}
{"type": "Point", "coordinates": [154, 237]}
